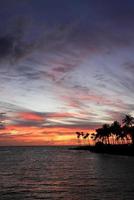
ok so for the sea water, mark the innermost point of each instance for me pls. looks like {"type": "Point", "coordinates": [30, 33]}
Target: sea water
{"type": "Point", "coordinates": [54, 173]}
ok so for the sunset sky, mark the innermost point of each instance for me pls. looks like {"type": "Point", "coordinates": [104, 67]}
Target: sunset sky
{"type": "Point", "coordinates": [65, 66]}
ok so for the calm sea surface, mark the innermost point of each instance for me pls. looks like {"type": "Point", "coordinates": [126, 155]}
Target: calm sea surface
{"type": "Point", "coordinates": [28, 173]}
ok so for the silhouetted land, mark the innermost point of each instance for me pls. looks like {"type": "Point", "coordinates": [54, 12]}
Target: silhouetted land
{"type": "Point", "coordinates": [122, 149]}
{"type": "Point", "coordinates": [115, 138]}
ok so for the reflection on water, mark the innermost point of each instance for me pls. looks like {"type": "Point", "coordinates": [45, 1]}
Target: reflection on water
{"type": "Point", "coordinates": [28, 173]}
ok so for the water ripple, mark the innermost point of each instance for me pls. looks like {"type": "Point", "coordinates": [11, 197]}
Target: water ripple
{"type": "Point", "coordinates": [52, 173]}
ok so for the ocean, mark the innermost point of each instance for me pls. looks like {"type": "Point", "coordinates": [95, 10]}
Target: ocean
{"type": "Point", "coordinates": [58, 173]}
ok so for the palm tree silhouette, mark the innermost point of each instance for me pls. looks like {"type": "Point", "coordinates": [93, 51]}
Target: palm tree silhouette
{"type": "Point", "coordinates": [78, 136]}
{"type": "Point", "coordinates": [128, 120]}
{"type": "Point", "coordinates": [131, 130]}
{"type": "Point", "coordinates": [99, 137]}
{"type": "Point", "coordinates": [112, 134]}
{"type": "Point", "coordinates": [103, 134]}
{"type": "Point", "coordinates": [128, 128]}
{"type": "Point", "coordinates": [85, 136]}
{"type": "Point", "coordinates": [81, 134]}
{"type": "Point", "coordinates": [116, 130]}
{"type": "Point", "coordinates": [106, 132]}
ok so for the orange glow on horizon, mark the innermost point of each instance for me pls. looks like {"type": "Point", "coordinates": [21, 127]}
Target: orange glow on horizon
{"type": "Point", "coordinates": [22, 135]}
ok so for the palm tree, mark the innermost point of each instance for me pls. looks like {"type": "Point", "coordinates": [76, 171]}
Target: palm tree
{"type": "Point", "coordinates": [128, 120]}
{"type": "Point", "coordinates": [131, 131]}
{"type": "Point", "coordinates": [81, 134]}
{"type": "Point", "coordinates": [78, 136]}
{"type": "Point", "coordinates": [116, 130]}
{"type": "Point", "coordinates": [93, 136]}
{"type": "Point", "coordinates": [106, 132]}
{"type": "Point", "coordinates": [99, 137]}
{"type": "Point", "coordinates": [128, 129]}
{"type": "Point", "coordinates": [123, 135]}
{"type": "Point", "coordinates": [103, 134]}
{"type": "Point", "coordinates": [86, 136]}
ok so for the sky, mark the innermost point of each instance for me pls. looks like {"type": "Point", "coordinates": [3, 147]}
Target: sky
{"type": "Point", "coordinates": [65, 66]}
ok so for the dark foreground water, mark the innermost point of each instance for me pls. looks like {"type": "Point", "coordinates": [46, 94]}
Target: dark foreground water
{"type": "Point", "coordinates": [28, 173]}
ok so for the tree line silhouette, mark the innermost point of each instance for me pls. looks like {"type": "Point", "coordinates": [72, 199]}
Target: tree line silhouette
{"type": "Point", "coordinates": [114, 133]}
{"type": "Point", "coordinates": [83, 136]}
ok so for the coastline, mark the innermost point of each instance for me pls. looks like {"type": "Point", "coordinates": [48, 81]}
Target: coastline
{"type": "Point", "coordinates": [122, 149]}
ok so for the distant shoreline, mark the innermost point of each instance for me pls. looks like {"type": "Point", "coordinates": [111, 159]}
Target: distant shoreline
{"type": "Point", "coordinates": [122, 149]}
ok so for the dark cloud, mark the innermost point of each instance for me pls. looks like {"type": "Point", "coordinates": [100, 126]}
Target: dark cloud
{"type": "Point", "coordinates": [65, 67]}
{"type": "Point", "coordinates": [13, 48]}
{"type": "Point", "coordinates": [27, 123]}
{"type": "Point", "coordinates": [87, 33]}
{"type": "Point", "coordinates": [129, 67]}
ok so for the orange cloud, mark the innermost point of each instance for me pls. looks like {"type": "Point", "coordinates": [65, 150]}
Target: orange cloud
{"type": "Point", "coordinates": [31, 116]}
